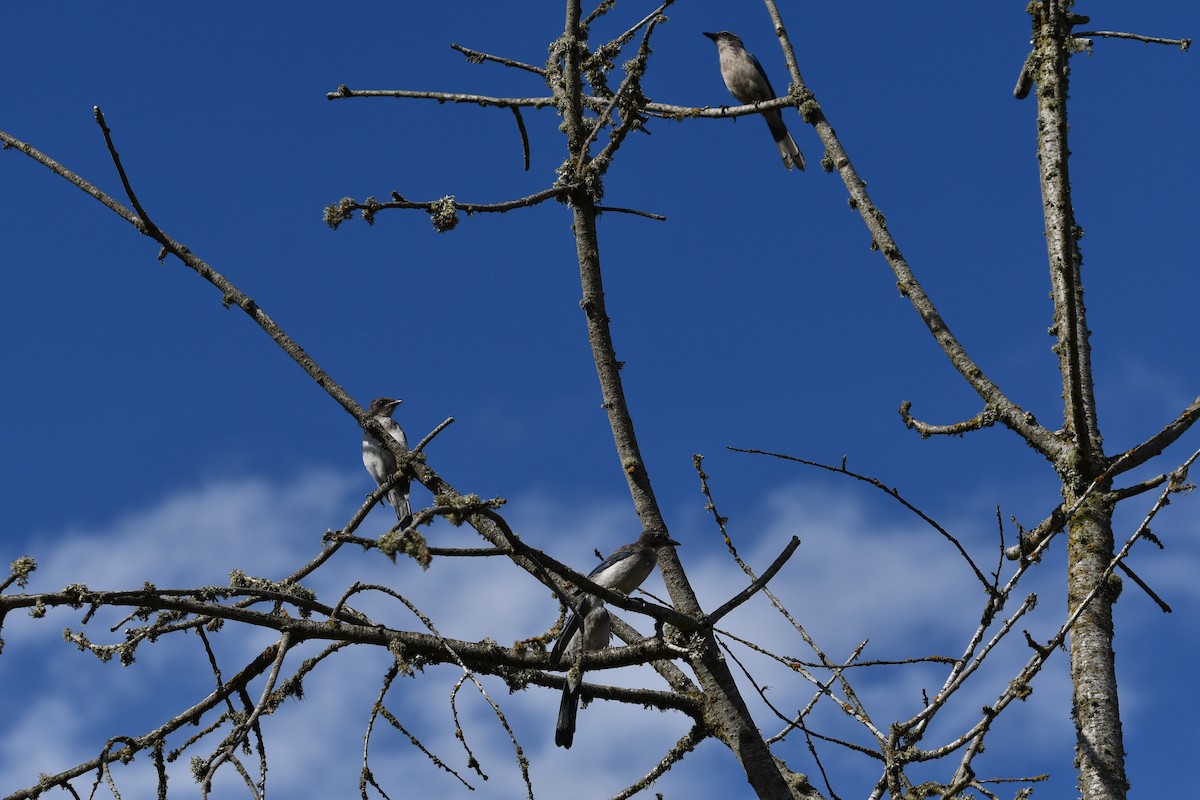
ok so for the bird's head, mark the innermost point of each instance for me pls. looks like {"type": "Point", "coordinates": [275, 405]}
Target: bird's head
{"type": "Point", "coordinates": [725, 39]}
{"type": "Point", "coordinates": [382, 407]}
{"type": "Point", "coordinates": [657, 539]}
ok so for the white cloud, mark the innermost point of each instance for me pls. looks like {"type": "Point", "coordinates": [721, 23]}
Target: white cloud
{"type": "Point", "coordinates": [248, 523]}
{"type": "Point", "coordinates": [858, 574]}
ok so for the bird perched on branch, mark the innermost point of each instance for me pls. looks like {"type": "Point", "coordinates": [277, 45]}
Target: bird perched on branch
{"type": "Point", "coordinates": [747, 82]}
{"type": "Point", "coordinates": [380, 462]}
{"type": "Point", "coordinates": [587, 624]}
{"type": "Point", "coordinates": [594, 634]}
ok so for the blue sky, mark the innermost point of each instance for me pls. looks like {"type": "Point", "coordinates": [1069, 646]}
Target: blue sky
{"type": "Point", "coordinates": [156, 435]}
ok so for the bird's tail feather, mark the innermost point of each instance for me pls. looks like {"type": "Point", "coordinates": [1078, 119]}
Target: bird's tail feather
{"type": "Point", "coordinates": [564, 729]}
{"type": "Point", "coordinates": [399, 501]}
{"type": "Point", "coordinates": [792, 157]}
{"type": "Point", "coordinates": [790, 152]}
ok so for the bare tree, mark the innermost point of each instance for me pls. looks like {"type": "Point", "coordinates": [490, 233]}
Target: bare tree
{"type": "Point", "coordinates": [701, 664]}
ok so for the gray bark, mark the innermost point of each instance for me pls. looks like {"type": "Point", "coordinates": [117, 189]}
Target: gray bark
{"type": "Point", "coordinates": [1100, 752]}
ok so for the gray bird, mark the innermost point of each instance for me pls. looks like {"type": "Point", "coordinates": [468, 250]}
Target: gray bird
{"type": "Point", "coordinates": [380, 462]}
{"type": "Point", "coordinates": [623, 571]}
{"type": "Point", "coordinates": [594, 634]}
{"type": "Point", "coordinates": [747, 82]}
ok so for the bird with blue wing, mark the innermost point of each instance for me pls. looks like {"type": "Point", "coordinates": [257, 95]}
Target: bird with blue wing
{"type": "Point", "coordinates": [747, 81]}
{"type": "Point", "coordinates": [594, 633]}
{"type": "Point", "coordinates": [588, 624]}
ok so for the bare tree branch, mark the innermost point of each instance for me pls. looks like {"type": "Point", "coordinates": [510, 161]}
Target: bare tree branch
{"type": "Point", "coordinates": [242, 729]}
{"type": "Point", "coordinates": [684, 746]}
{"type": "Point", "coordinates": [1182, 44]}
{"type": "Point", "coordinates": [891, 492]}
{"type": "Point", "coordinates": [1012, 415]}
{"type": "Point", "coordinates": [477, 57]}
{"type": "Point", "coordinates": [758, 583]}
{"type": "Point", "coordinates": [253, 669]}
{"type": "Point", "coordinates": [984, 419]}
{"type": "Point", "coordinates": [1156, 444]}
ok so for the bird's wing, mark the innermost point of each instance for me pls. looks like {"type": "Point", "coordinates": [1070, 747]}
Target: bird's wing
{"type": "Point", "coordinates": [615, 557]}
{"type": "Point", "coordinates": [395, 431]}
{"type": "Point", "coordinates": [762, 73]}
{"type": "Point", "coordinates": [570, 628]}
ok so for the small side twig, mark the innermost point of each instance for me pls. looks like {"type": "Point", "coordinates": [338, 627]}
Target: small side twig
{"type": "Point", "coordinates": [851, 706]}
{"type": "Point", "coordinates": [1166, 609]}
{"type": "Point", "coordinates": [760, 582]}
{"type": "Point", "coordinates": [684, 746]}
{"type": "Point", "coordinates": [478, 57]}
{"type": "Point", "coordinates": [344, 92]}
{"type": "Point", "coordinates": [379, 709]}
{"type": "Point", "coordinates": [1182, 44]}
{"type": "Point", "coordinates": [467, 673]}
{"type": "Point", "coordinates": [634, 69]}
{"type": "Point", "coordinates": [524, 135]}
{"type": "Point", "coordinates": [984, 419]}
{"type": "Point", "coordinates": [1126, 492]}
{"type": "Point", "coordinates": [1150, 448]}
{"type": "Point", "coordinates": [116, 159]}
{"type": "Point", "coordinates": [447, 422]}
{"type": "Point", "coordinates": [1031, 545]}
{"type": "Point", "coordinates": [1024, 79]}
{"type": "Point", "coordinates": [236, 736]}
{"type": "Point", "coordinates": [634, 211]}
{"type": "Point", "coordinates": [891, 492]}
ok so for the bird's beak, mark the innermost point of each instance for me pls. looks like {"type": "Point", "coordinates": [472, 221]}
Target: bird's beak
{"type": "Point", "coordinates": [392, 405]}
{"type": "Point", "coordinates": [712, 36]}
{"type": "Point", "coordinates": [672, 541]}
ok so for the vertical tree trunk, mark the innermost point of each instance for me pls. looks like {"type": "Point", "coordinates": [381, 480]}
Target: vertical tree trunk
{"type": "Point", "coordinates": [1100, 749]}
{"type": "Point", "coordinates": [1100, 753]}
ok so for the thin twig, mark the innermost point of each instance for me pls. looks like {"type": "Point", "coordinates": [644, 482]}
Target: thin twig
{"type": "Point", "coordinates": [1166, 609]}
{"type": "Point", "coordinates": [650, 19]}
{"type": "Point", "coordinates": [187, 717]}
{"type": "Point", "coordinates": [478, 57]}
{"type": "Point", "coordinates": [1147, 485]}
{"type": "Point", "coordinates": [1018, 686]}
{"type": "Point", "coordinates": [684, 746]}
{"type": "Point", "coordinates": [524, 135]}
{"type": "Point", "coordinates": [1153, 446]}
{"type": "Point", "coordinates": [1031, 546]}
{"type": "Point", "coordinates": [235, 737]}
{"type": "Point", "coordinates": [759, 583]}
{"type": "Point", "coordinates": [634, 211]}
{"type": "Point", "coordinates": [632, 82]}
{"type": "Point", "coordinates": [468, 673]}
{"type": "Point", "coordinates": [344, 92]}
{"type": "Point", "coordinates": [852, 706]}
{"type": "Point", "coordinates": [447, 422]}
{"type": "Point", "coordinates": [379, 709]}
{"type": "Point", "coordinates": [1182, 44]}
{"type": "Point", "coordinates": [888, 490]}
{"type": "Point", "coordinates": [984, 419]}
{"type": "Point", "coordinates": [116, 158]}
